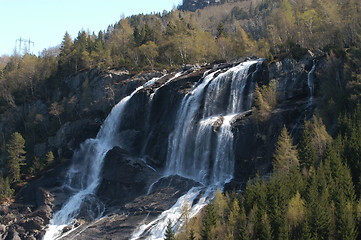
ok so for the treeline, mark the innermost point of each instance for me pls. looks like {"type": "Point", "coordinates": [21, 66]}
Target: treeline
{"type": "Point", "coordinates": [267, 29]}
{"type": "Point", "coordinates": [311, 193]}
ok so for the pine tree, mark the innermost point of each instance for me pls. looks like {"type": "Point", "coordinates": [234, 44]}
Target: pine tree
{"type": "Point", "coordinates": [345, 220]}
{"type": "Point", "coordinates": [16, 156]}
{"type": "Point", "coordinates": [243, 232]}
{"type": "Point", "coordinates": [307, 151]}
{"type": "Point", "coordinates": [169, 234]}
{"type": "Point", "coordinates": [65, 55]}
{"type": "Point", "coordinates": [208, 223]}
{"type": "Point", "coordinates": [265, 230]}
{"type": "Point", "coordinates": [285, 156]}
{"type": "Point", "coordinates": [296, 213]}
{"type": "Point", "coordinates": [318, 206]}
{"type": "Point", "coordinates": [234, 218]}
{"type": "Point", "coordinates": [5, 190]}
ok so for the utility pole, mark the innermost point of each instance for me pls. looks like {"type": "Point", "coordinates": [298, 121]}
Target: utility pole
{"type": "Point", "coordinates": [27, 44]}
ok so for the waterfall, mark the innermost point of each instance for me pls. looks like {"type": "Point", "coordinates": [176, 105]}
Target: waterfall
{"type": "Point", "coordinates": [204, 124]}
{"type": "Point", "coordinates": [83, 176]}
{"type": "Point", "coordinates": [201, 145]}
{"type": "Point", "coordinates": [311, 79]}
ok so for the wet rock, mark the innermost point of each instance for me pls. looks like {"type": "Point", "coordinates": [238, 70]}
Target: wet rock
{"type": "Point", "coordinates": [175, 182]}
{"type": "Point", "coordinates": [123, 177]}
{"type": "Point", "coordinates": [125, 220]}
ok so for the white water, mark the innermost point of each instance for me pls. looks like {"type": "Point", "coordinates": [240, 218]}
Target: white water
{"type": "Point", "coordinates": [191, 145]}
{"type": "Point", "coordinates": [198, 150]}
{"type": "Point", "coordinates": [154, 230]}
{"type": "Point", "coordinates": [311, 80]}
{"type": "Point", "coordinates": [83, 177]}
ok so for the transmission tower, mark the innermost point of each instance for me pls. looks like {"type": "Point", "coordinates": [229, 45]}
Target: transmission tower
{"type": "Point", "coordinates": [26, 45]}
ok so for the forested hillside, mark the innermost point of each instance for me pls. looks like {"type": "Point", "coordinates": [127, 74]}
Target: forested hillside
{"type": "Point", "coordinates": [314, 189]}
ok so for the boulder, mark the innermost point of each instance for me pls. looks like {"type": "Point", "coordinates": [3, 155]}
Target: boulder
{"type": "Point", "coordinates": [124, 177]}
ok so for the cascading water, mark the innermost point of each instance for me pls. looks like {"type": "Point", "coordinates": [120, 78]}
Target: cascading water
{"type": "Point", "coordinates": [201, 145]}
{"type": "Point", "coordinates": [311, 80]}
{"type": "Point", "coordinates": [200, 148]}
{"type": "Point", "coordinates": [210, 105]}
{"type": "Point", "coordinates": [83, 177]}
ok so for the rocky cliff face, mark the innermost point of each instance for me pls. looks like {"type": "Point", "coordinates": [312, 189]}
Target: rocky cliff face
{"type": "Point", "coordinates": [128, 173]}
{"type": "Point", "coordinates": [193, 5]}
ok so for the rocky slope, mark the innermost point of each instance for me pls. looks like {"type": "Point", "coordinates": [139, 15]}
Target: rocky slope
{"type": "Point", "coordinates": [127, 175]}
{"type": "Point", "coordinates": [193, 5]}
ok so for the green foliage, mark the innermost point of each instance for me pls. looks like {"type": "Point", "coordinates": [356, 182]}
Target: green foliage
{"type": "Point", "coordinates": [16, 156]}
{"type": "Point", "coordinates": [209, 222]}
{"type": "Point", "coordinates": [290, 203]}
{"type": "Point", "coordinates": [6, 192]}
{"type": "Point", "coordinates": [296, 215]}
{"type": "Point", "coordinates": [265, 101]}
{"type": "Point", "coordinates": [350, 134]}
{"type": "Point", "coordinates": [286, 155]}
{"type": "Point", "coordinates": [313, 142]}
{"type": "Point", "coordinates": [169, 234]}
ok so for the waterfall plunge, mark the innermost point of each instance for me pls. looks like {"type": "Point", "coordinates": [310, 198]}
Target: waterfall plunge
{"type": "Point", "coordinates": [204, 124]}
{"type": "Point", "coordinates": [201, 145]}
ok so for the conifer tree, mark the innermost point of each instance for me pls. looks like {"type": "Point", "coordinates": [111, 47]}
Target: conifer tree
{"type": "Point", "coordinates": [285, 156]}
{"type": "Point", "coordinates": [169, 234]}
{"type": "Point", "coordinates": [318, 207]}
{"type": "Point", "coordinates": [6, 191]}
{"type": "Point", "coordinates": [65, 57]}
{"type": "Point", "coordinates": [243, 233]}
{"type": "Point", "coordinates": [16, 156]}
{"type": "Point", "coordinates": [345, 220]}
{"type": "Point", "coordinates": [265, 230]}
{"type": "Point", "coordinates": [296, 213]}
{"type": "Point", "coordinates": [209, 221]}
{"type": "Point", "coordinates": [307, 151]}
{"type": "Point", "coordinates": [234, 218]}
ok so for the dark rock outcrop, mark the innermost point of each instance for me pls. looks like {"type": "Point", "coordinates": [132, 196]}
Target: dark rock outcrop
{"type": "Point", "coordinates": [124, 177]}
{"type": "Point", "coordinates": [193, 5]}
{"type": "Point", "coordinates": [143, 209]}
{"type": "Point", "coordinates": [33, 208]}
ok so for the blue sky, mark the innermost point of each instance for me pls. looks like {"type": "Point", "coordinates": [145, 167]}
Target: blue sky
{"type": "Point", "coordinates": [44, 22]}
